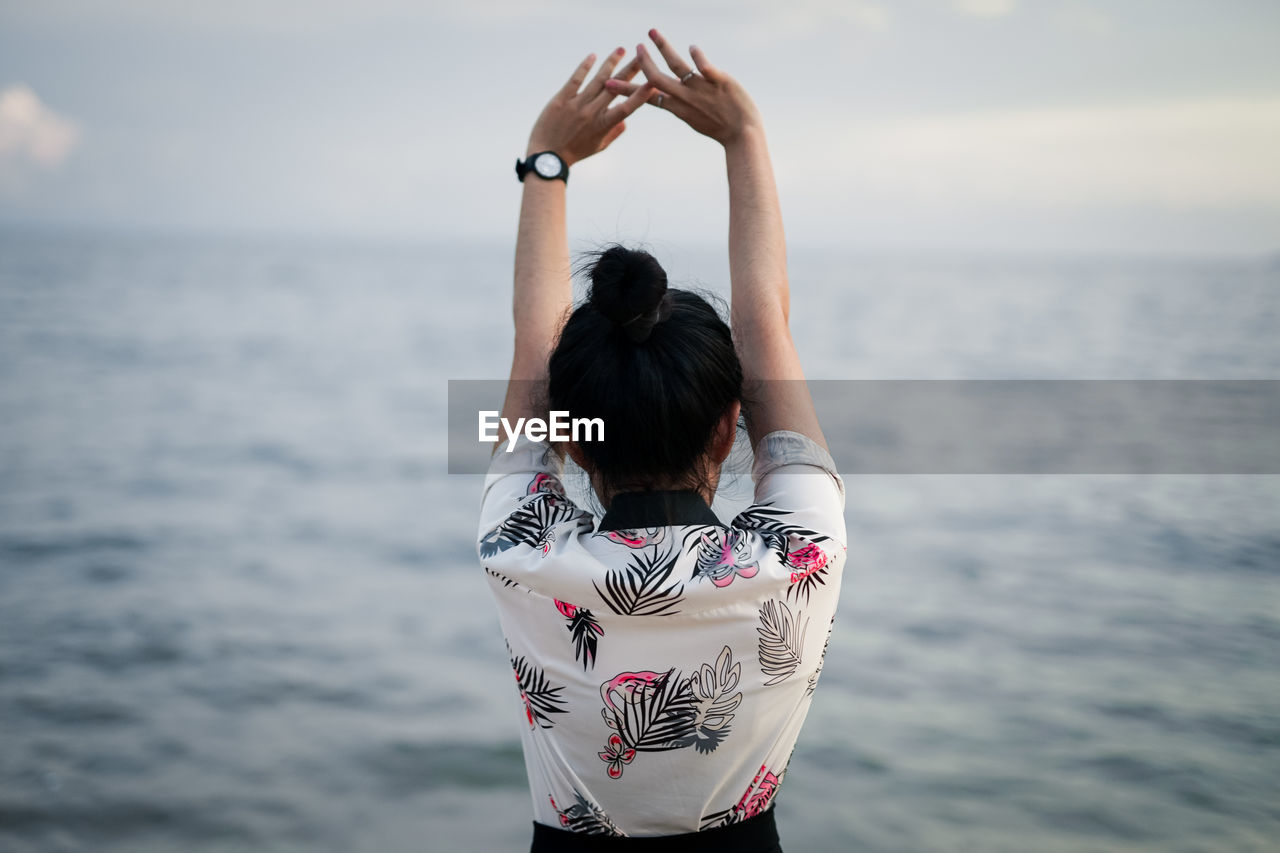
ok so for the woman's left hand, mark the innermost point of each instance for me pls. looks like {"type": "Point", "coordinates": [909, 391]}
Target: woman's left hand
{"type": "Point", "coordinates": [578, 121]}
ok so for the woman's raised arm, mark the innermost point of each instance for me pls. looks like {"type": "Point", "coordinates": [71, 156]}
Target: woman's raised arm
{"type": "Point", "coordinates": [576, 123]}
{"type": "Point", "coordinates": [716, 105]}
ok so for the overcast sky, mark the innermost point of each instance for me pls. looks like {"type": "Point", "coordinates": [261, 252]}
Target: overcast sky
{"type": "Point", "coordinates": [1131, 125]}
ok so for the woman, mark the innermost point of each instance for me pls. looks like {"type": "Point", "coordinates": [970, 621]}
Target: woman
{"type": "Point", "coordinates": [664, 660]}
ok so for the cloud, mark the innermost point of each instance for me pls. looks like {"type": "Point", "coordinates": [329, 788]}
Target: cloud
{"type": "Point", "coordinates": [32, 136]}
{"type": "Point", "coordinates": [985, 8]}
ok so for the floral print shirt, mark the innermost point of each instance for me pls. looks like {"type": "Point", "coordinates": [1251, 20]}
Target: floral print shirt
{"type": "Point", "coordinates": [663, 661]}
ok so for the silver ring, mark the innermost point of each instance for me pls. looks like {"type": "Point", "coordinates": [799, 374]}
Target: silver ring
{"type": "Point", "coordinates": [659, 104]}
{"type": "Point", "coordinates": [685, 78]}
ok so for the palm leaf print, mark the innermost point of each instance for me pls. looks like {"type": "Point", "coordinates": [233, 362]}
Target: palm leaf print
{"type": "Point", "coordinates": [712, 689]}
{"type": "Point", "coordinates": [822, 659]}
{"type": "Point", "coordinates": [585, 817]}
{"type": "Point", "coordinates": [781, 641]}
{"type": "Point", "coordinates": [541, 698]}
{"type": "Point", "coordinates": [789, 542]}
{"type": "Point", "coordinates": [806, 583]}
{"type": "Point", "coordinates": [530, 524]}
{"type": "Point", "coordinates": [766, 519]}
{"type": "Point", "coordinates": [506, 582]}
{"type": "Point", "coordinates": [585, 631]}
{"type": "Point", "coordinates": [755, 800]}
{"type": "Point", "coordinates": [641, 588]}
{"type": "Point", "coordinates": [658, 719]}
{"type": "Point", "coordinates": [649, 711]}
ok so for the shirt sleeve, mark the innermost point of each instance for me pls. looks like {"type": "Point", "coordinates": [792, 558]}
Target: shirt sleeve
{"type": "Point", "coordinates": [524, 502]}
{"type": "Point", "coordinates": [799, 499]}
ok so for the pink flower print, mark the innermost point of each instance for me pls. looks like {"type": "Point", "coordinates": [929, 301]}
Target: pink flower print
{"type": "Point", "coordinates": [544, 482]}
{"type": "Point", "coordinates": [544, 545]}
{"type": "Point", "coordinates": [724, 556]}
{"type": "Point", "coordinates": [567, 610]}
{"type": "Point", "coordinates": [805, 561]}
{"type": "Point", "coordinates": [637, 537]}
{"type": "Point", "coordinates": [616, 755]}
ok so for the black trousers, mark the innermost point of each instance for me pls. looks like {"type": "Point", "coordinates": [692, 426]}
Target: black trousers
{"type": "Point", "coordinates": [757, 834]}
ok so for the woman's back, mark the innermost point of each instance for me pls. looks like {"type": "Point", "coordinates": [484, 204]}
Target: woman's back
{"type": "Point", "coordinates": [664, 661]}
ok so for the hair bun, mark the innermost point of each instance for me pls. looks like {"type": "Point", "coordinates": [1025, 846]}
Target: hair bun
{"type": "Point", "coordinates": [629, 287]}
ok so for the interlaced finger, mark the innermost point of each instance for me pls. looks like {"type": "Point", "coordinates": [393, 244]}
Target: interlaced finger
{"type": "Point", "coordinates": [574, 83]}
{"type": "Point", "coordinates": [596, 86]}
{"type": "Point", "coordinates": [618, 86]}
{"type": "Point", "coordinates": [654, 75]}
{"type": "Point", "coordinates": [674, 60]}
{"type": "Point", "coordinates": [613, 86]}
{"type": "Point", "coordinates": [628, 71]}
{"type": "Point", "coordinates": [639, 95]}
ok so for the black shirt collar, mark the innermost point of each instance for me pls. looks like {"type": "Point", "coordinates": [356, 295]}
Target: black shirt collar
{"type": "Point", "coordinates": [634, 510]}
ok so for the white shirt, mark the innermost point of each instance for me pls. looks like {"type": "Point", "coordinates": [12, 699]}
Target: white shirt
{"type": "Point", "coordinates": [664, 669]}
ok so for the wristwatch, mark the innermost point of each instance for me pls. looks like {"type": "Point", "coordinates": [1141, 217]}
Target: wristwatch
{"type": "Point", "coordinates": [545, 164]}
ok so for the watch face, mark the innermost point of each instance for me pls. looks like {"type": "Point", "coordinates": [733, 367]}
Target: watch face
{"type": "Point", "coordinates": [547, 164]}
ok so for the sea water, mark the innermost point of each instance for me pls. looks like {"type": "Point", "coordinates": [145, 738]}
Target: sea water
{"type": "Point", "coordinates": [240, 607]}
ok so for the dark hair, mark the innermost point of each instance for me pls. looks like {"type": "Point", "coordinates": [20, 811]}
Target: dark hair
{"type": "Point", "coordinates": [656, 364]}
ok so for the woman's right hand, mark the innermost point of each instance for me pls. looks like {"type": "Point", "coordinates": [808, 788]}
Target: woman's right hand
{"type": "Point", "coordinates": [709, 101]}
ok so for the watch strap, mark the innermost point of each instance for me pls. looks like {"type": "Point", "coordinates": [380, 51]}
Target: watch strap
{"type": "Point", "coordinates": [524, 167]}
